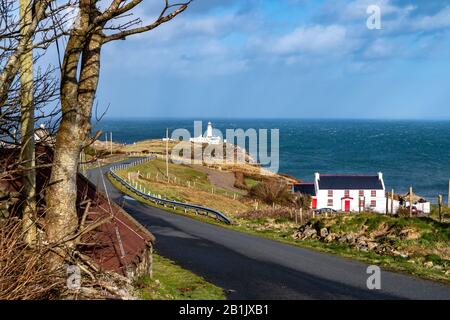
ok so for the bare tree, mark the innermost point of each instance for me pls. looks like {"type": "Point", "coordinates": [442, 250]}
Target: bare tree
{"type": "Point", "coordinates": [24, 28]}
{"type": "Point", "coordinates": [79, 79]}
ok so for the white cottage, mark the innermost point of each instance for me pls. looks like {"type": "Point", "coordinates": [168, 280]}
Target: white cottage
{"type": "Point", "coordinates": [346, 192]}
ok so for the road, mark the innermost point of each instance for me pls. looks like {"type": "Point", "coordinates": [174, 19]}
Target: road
{"type": "Point", "coordinates": [250, 267]}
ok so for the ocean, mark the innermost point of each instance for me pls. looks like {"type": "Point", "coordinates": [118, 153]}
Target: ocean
{"type": "Point", "coordinates": [408, 152]}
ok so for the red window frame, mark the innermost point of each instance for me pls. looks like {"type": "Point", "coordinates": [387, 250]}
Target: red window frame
{"type": "Point", "coordinates": [330, 203]}
{"type": "Point", "coordinates": [330, 193]}
{"type": "Point", "coordinates": [373, 203]}
{"type": "Point", "coordinates": [361, 193]}
{"type": "Point", "coordinates": [347, 193]}
{"type": "Point", "coordinates": [373, 193]}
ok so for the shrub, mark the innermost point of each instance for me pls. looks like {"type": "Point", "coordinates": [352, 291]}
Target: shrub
{"type": "Point", "coordinates": [239, 180]}
{"type": "Point", "coordinates": [302, 200]}
{"type": "Point", "coordinates": [272, 192]}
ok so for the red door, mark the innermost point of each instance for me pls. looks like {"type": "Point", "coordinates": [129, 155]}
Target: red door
{"type": "Point", "coordinates": [347, 205]}
{"type": "Point", "coordinates": [314, 203]}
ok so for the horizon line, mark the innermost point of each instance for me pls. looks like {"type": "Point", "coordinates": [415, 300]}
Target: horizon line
{"type": "Point", "coordinates": [204, 118]}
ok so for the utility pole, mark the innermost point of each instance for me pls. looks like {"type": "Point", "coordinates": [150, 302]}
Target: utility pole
{"type": "Point", "coordinates": [27, 154]}
{"type": "Point", "coordinates": [440, 207]}
{"type": "Point", "coordinates": [110, 135]}
{"type": "Point", "coordinates": [167, 154]}
{"type": "Point", "coordinates": [410, 201]}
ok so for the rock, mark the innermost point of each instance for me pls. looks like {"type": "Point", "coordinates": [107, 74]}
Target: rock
{"type": "Point", "coordinates": [399, 253]}
{"type": "Point", "coordinates": [361, 242]}
{"type": "Point", "coordinates": [297, 235]}
{"type": "Point", "coordinates": [350, 239]}
{"type": "Point", "coordinates": [409, 234]}
{"type": "Point", "coordinates": [428, 264]}
{"type": "Point", "coordinates": [372, 245]}
{"type": "Point", "coordinates": [384, 248]}
{"type": "Point", "coordinates": [330, 238]}
{"type": "Point", "coordinates": [309, 233]}
{"type": "Point", "coordinates": [323, 232]}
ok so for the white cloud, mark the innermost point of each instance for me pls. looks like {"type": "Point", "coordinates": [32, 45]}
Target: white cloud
{"type": "Point", "coordinates": [315, 39]}
{"type": "Point", "coordinates": [437, 21]}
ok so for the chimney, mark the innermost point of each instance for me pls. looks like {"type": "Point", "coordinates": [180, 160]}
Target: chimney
{"type": "Point", "coordinates": [380, 176]}
{"type": "Point", "coordinates": [316, 176]}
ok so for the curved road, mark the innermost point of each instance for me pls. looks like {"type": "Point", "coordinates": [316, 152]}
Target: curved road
{"type": "Point", "coordinates": [250, 267]}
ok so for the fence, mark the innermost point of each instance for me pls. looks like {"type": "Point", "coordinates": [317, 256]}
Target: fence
{"type": "Point", "coordinates": [158, 200]}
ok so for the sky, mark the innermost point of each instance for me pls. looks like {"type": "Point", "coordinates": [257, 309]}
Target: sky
{"type": "Point", "coordinates": [283, 59]}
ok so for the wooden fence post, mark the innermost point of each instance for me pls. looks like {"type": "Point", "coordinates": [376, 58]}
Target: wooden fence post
{"type": "Point", "coordinates": [410, 201]}
{"type": "Point", "coordinates": [392, 201]}
{"type": "Point", "coordinates": [440, 207]}
{"type": "Point", "coordinates": [448, 201]}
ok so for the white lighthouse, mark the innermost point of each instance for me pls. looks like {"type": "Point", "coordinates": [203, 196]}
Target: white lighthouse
{"type": "Point", "coordinates": [208, 137]}
{"type": "Point", "coordinates": [209, 130]}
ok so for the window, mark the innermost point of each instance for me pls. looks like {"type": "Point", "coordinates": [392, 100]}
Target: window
{"type": "Point", "coordinates": [330, 193]}
{"type": "Point", "coordinates": [361, 193]}
{"type": "Point", "coordinates": [330, 202]}
{"type": "Point", "coordinates": [373, 193]}
{"type": "Point", "coordinates": [361, 203]}
{"type": "Point", "coordinates": [373, 203]}
{"type": "Point", "coordinates": [347, 193]}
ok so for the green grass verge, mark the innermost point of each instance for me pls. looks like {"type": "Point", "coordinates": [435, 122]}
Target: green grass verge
{"type": "Point", "coordinates": [171, 282]}
{"type": "Point", "coordinates": [392, 263]}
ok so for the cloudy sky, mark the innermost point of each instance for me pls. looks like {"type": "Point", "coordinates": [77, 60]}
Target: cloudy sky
{"type": "Point", "coordinates": [284, 59]}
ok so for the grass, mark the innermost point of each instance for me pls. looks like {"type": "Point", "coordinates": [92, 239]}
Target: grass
{"type": "Point", "coordinates": [171, 282]}
{"type": "Point", "coordinates": [187, 185]}
{"type": "Point", "coordinates": [249, 182]}
{"type": "Point", "coordinates": [156, 146]}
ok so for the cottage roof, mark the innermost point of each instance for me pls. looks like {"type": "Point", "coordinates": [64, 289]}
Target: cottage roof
{"type": "Point", "coordinates": [350, 182]}
{"type": "Point", "coordinates": [415, 198]}
{"type": "Point", "coordinates": [305, 188]}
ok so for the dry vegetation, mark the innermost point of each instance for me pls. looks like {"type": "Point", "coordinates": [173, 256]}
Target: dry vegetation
{"type": "Point", "coordinates": [24, 272]}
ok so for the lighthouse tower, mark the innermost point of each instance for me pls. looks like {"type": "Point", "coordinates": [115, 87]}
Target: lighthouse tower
{"type": "Point", "coordinates": [209, 130]}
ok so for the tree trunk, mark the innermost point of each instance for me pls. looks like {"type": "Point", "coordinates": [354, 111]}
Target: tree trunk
{"type": "Point", "coordinates": [77, 99]}
{"type": "Point", "coordinates": [27, 152]}
{"type": "Point", "coordinates": [61, 195]}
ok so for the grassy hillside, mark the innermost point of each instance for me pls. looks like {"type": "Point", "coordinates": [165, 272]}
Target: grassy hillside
{"type": "Point", "coordinates": [187, 185]}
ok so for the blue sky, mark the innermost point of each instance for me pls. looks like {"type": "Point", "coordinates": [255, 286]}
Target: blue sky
{"type": "Point", "coordinates": [284, 59]}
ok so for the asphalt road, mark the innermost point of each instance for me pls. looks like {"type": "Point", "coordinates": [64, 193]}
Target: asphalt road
{"type": "Point", "coordinates": [250, 267]}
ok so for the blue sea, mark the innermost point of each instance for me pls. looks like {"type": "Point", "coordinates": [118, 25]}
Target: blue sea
{"type": "Point", "coordinates": [408, 152]}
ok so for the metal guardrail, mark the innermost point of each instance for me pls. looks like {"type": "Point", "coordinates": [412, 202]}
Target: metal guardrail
{"type": "Point", "coordinates": [198, 209]}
